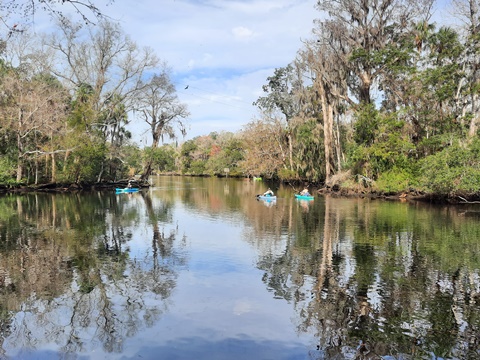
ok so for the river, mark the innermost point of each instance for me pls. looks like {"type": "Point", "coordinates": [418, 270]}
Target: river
{"type": "Point", "coordinates": [199, 268]}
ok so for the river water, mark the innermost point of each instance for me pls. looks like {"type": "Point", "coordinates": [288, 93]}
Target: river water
{"type": "Point", "coordinates": [198, 268]}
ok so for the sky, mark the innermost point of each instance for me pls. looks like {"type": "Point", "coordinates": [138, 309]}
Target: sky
{"type": "Point", "coordinates": [223, 50]}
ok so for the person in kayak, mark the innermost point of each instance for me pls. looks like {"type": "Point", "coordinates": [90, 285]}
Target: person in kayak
{"type": "Point", "coordinates": [305, 192]}
{"type": "Point", "coordinates": [269, 192]}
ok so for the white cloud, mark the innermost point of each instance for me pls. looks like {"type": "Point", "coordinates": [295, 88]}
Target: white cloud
{"type": "Point", "coordinates": [242, 33]}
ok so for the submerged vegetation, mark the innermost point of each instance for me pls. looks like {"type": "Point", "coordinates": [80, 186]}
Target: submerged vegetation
{"type": "Point", "coordinates": [380, 99]}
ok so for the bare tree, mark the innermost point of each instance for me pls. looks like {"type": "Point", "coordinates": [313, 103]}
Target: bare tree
{"type": "Point", "coordinates": [157, 104]}
{"type": "Point", "coordinates": [17, 15]}
{"type": "Point", "coordinates": [104, 58]}
{"type": "Point", "coordinates": [266, 148]}
{"type": "Point", "coordinates": [33, 109]}
{"type": "Point", "coordinates": [27, 9]}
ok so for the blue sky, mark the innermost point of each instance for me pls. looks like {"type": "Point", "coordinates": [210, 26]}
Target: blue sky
{"type": "Point", "coordinates": [223, 50]}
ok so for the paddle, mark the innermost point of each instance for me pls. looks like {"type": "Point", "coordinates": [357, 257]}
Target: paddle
{"type": "Point", "coordinates": [294, 188]}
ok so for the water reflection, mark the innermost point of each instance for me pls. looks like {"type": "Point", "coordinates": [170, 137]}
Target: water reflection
{"type": "Point", "coordinates": [199, 268]}
{"type": "Point", "coordinates": [267, 202]}
{"type": "Point", "coordinates": [305, 204]}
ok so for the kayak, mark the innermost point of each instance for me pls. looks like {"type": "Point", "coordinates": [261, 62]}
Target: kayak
{"type": "Point", "coordinates": [304, 197]}
{"type": "Point", "coordinates": [126, 190]}
{"type": "Point", "coordinates": [267, 197]}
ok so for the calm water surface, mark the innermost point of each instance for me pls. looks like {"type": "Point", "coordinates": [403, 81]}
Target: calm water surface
{"type": "Point", "coordinates": [196, 268]}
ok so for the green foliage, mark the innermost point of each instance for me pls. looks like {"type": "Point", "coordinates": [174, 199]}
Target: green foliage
{"type": "Point", "coordinates": [229, 156]}
{"type": "Point", "coordinates": [308, 152]}
{"type": "Point", "coordinates": [395, 180]}
{"type": "Point", "coordinates": [197, 167]}
{"type": "Point", "coordinates": [287, 174]}
{"type": "Point", "coordinates": [366, 125]}
{"type": "Point", "coordinates": [133, 158]}
{"type": "Point", "coordinates": [280, 92]}
{"type": "Point", "coordinates": [82, 113]}
{"type": "Point", "coordinates": [186, 151]}
{"type": "Point", "coordinates": [163, 158]}
{"type": "Point", "coordinates": [85, 163]}
{"type": "Point", "coordinates": [454, 169]}
{"type": "Point", "coordinates": [7, 171]}
{"type": "Point", "coordinates": [381, 144]}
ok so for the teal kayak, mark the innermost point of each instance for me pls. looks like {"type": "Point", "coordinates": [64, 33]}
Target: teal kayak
{"type": "Point", "coordinates": [304, 197]}
{"type": "Point", "coordinates": [126, 190]}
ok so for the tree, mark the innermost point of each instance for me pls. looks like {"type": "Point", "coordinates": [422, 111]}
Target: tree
{"type": "Point", "coordinates": [27, 9]}
{"type": "Point", "coordinates": [357, 30]}
{"type": "Point", "coordinates": [157, 104]}
{"type": "Point", "coordinates": [468, 12]}
{"type": "Point", "coordinates": [226, 152]}
{"type": "Point", "coordinates": [33, 109]}
{"type": "Point", "coordinates": [105, 58]}
{"type": "Point", "coordinates": [107, 63]}
{"type": "Point", "coordinates": [163, 158]}
{"type": "Point", "coordinates": [281, 96]}
{"type": "Point", "coordinates": [265, 147]}
{"type": "Point", "coordinates": [330, 92]}
{"type": "Point", "coordinates": [18, 15]}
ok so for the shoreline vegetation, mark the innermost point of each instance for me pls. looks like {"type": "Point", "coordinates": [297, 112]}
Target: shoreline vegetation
{"type": "Point", "coordinates": [358, 191]}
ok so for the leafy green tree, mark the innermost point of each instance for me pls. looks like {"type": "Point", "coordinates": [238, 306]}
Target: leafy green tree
{"type": "Point", "coordinates": [186, 155]}
{"type": "Point", "coordinates": [455, 169]}
{"type": "Point", "coordinates": [309, 151]}
{"type": "Point", "coordinates": [382, 143]}
{"type": "Point", "coordinates": [83, 164]}
{"type": "Point", "coordinates": [228, 154]}
{"type": "Point", "coordinates": [163, 158]}
{"type": "Point", "coordinates": [132, 156]}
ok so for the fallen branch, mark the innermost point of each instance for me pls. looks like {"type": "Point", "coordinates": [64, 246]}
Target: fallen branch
{"type": "Point", "coordinates": [468, 202]}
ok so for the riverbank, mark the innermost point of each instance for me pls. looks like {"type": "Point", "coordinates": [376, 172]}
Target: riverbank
{"type": "Point", "coordinates": [337, 191]}
{"type": "Point", "coordinates": [411, 195]}
{"type": "Point", "coordinates": [65, 187]}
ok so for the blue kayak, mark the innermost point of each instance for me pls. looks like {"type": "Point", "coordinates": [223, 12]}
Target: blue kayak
{"type": "Point", "coordinates": [304, 197]}
{"type": "Point", "coordinates": [126, 190]}
{"type": "Point", "coordinates": [267, 197]}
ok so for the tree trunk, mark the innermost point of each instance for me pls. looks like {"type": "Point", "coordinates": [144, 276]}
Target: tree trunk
{"type": "Point", "coordinates": [54, 169]}
{"type": "Point", "coordinates": [290, 150]}
{"type": "Point", "coordinates": [19, 159]}
{"type": "Point", "coordinates": [327, 110]}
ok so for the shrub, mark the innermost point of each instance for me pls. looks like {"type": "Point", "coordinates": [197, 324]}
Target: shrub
{"type": "Point", "coordinates": [394, 181]}
{"type": "Point", "coordinates": [456, 168]}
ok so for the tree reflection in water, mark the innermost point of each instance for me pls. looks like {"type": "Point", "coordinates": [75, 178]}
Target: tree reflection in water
{"type": "Point", "coordinates": [68, 278]}
{"type": "Point", "coordinates": [362, 278]}
{"type": "Point", "coordinates": [373, 281]}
